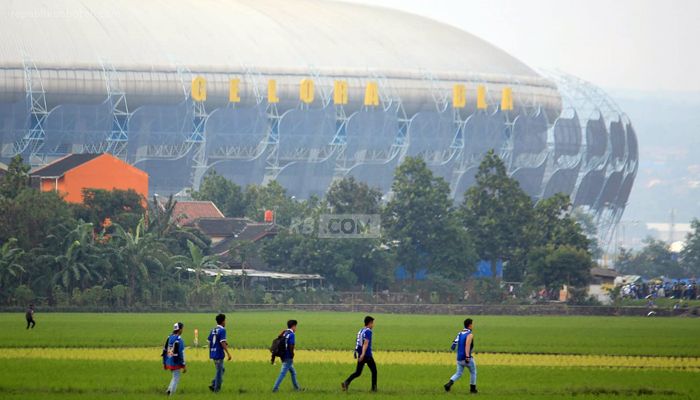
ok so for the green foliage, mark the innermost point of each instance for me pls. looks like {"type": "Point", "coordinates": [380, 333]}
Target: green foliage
{"type": "Point", "coordinates": [690, 255]}
{"type": "Point", "coordinates": [123, 207]}
{"type": "Point", "coordinates": [496, 212]}
{"type": "Point", "coordinates": [653, 260]}
{"type": "Point", "coordinates": [421, 225]}
{"type": "Point", "coordinates": [31, 215]}
{"type": "Point", "coordinates": [551, 266]}
{"type": "Point", "coordinates": [10, 265]}
{"type": "Point", "coordinates": [226, 195]}
{"type": "Point", "coordinates": [347, 195]}
{"type": "Point", "coordinates": [16, 179]}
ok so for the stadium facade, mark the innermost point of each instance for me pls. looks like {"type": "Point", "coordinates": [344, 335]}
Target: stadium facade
{"type": "Point", "coordinates": [301, 92]}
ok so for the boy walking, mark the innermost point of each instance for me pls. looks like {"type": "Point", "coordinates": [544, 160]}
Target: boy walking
{"type": "Point", "coordinates": [218, 345]}
{"type": "Point", "coordinates": [464, 343]}
{"type": "Point", "coordinates": [289, 335]}
{"type": "Point", "coordinates": [363, 352]}
{"type": "Point", "coordinates": [174, 357]}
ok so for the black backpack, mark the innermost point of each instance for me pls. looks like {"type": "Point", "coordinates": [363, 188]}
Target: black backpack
{"type": "Point", "coordinates": [278, 347]}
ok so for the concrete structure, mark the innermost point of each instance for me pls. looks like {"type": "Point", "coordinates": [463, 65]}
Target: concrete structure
{"type": "Point", "coordinates": [300, 92]}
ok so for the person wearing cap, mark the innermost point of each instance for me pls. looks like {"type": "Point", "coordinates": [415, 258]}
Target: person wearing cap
{"type": "Point", "coordinates": [174, 357]}
{"type": "Point", "coordinates": [217, 346]}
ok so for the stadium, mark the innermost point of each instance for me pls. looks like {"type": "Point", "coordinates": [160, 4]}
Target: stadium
{"type": "Point", "coordinates": [300, 92]}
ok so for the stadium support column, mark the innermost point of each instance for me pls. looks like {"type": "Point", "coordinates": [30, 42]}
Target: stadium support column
{"type": "Point", "coordinates": [33, 140]}
{"type": "Point", "coordinates": [118, 136]}
{"type": "Point", "coordinates": [272, 138]}
{"type": "Point", "coordinates": [197, 139]}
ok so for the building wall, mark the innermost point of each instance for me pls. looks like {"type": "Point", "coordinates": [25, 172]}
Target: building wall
{"type": "Point", "coordinates": [104, 172]}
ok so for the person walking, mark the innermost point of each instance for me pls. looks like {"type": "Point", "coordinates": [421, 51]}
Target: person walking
{"type": "Point", "coordinates": [29, 315]}
{"type": "Point", "coordinates": [218, 345]}
{"type": "Point", "coordinates": [289, 335]}
{"type": "Point", "coordinates": [363, 352]}
{"type": "Point", "coordinates": [464, 343]}
{"type": "Point", "coordinates": [174, 357]}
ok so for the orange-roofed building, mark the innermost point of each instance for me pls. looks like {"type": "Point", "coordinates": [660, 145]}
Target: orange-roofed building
{"type": "Point", "coordinates": [71, 174]}
{"type": "Point", "coordinates": [187, 212]}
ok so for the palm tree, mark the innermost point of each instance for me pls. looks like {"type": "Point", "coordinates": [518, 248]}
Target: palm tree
{"type": "Point", "coordinates": [80, 260]}
{"type": "Point", "coordinates": [140, 253]}
{"type": "Point", "coordinates": [196, 262]}
{"type": "Point", "coordinates": [10, 263]}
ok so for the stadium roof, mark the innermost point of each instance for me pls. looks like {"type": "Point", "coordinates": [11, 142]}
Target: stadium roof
{"type": "Point", "coordinates": [260, 33]}
{"type": "Point", "coordinates": [155, 46]}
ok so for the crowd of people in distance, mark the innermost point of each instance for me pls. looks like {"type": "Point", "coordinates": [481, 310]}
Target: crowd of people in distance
{"type": "Point", "coordinates": [679, 289]}
{"type": "Point", "coordinates": [284, 347]}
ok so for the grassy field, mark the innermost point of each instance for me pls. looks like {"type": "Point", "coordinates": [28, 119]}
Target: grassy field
{"type": "Point", "coordinates": [117, 356]}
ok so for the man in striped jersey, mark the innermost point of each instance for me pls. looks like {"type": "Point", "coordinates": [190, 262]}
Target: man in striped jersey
{"type": "Point", "coordinates": [464, 343]}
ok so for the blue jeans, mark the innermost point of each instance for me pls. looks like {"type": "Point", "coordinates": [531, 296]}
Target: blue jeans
{"type": "Point", "coordinates": [460, 370]}
{"type": "Point", "coordinates": [287, 365]}
{"type": "Point", "coordinates": [219, 378]}
{"type": "Point", "coordinates": [174, 381]}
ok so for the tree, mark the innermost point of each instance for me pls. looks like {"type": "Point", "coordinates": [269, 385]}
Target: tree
{"type": "Point", "coordinates": [497, 213]}
{"type": "Point", "coordinates": [196, 261]}
{"type": "Point", "coordinates": [123, 207]}
{"type": "Point", "coordinates": [139, 254]}
{"type": "Point", "coordinates": [15, 179]}
{"type": "Point", "coordinates": [162, 223]}
{"type": "Point", "coordinates": [552, 267]}
{"type": "Point", "coordinates": [690, 256]}
{"type": "Point", "coordinates": [347, 196]}
{"type": "Point", "coordinates": [226, 195]}
{"type": "Point", "coordinates": [31, 215]}
{"type": "Point", "coordinates": [10, 265]}
{"type": "Point", "coordinates": [552, 226]}
{"type": "Point", "coordinates": [272, 197]}
{"type": "Point", "coordinates": [78, 264]}
{"type": "Point", "coordinates": [653, 260]}
{"type": "Point", "coordinates": [419, 222]}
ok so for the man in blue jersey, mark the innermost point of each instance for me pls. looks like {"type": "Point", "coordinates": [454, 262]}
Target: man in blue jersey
{"type": "Point", "coordinates": [464, 343]}
{"type": "Point", "coordinates": [174, 357]}
{"type": "Point", "coordinates": [218, 345]}
{"type": "Point", "coordinates": [289, 335]}
{"type": "Point", "coordinates": [363, 352]}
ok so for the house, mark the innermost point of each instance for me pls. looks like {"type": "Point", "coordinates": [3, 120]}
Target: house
{"type": "Point", "coordinates": [187, 212]}
{"type": "Point", "coordinates": [602, 280]}
{"type": "Point", "coordinates": [71, 174]}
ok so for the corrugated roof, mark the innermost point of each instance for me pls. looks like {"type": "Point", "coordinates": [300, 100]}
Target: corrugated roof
{"type": "Point", "coordinates": [59, 167]}
{"type": "Point", "coordinates": [252, 273]}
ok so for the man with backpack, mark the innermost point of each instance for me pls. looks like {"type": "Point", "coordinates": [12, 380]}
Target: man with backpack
{"type": "Point", "coordinates": [363, 353]}
{"type": "Point", "coordinates": [218, 345]}
{"type": "Point", "coordinates": [174, 357]}
{"type": "Point", "coordinates": [288, 338]}
{"type": "Point", "coordinates": [464, 343]}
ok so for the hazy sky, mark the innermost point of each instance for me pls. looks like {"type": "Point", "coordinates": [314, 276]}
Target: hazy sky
{"type": "Point", "coordinates": [646, 45]}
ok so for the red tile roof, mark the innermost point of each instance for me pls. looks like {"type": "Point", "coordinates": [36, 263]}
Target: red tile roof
{"type": "Point", "coordinates": [186, 212]}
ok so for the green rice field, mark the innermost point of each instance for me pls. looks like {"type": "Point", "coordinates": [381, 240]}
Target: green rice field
{"type": "Point", "coordinates": [86, 356]}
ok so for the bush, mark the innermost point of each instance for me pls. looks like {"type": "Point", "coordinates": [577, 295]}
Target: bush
{"type": "Point", "coordinates": [23, 295]}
